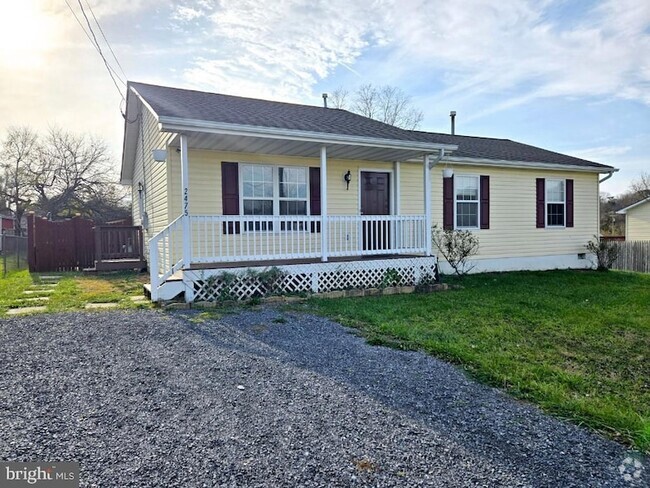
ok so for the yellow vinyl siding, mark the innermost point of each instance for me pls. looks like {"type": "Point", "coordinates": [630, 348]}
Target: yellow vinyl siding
{"type": "Point", "coordinates": [151, 174]}
{"type": "Point", "coordinates": [513, 231]}
{"type": "Point", "coordinates": [205, 180]}
{"type": "Point", "coordinates": [637, 223]}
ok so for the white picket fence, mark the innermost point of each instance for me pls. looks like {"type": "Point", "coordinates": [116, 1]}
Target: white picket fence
{"type": "Point", "coordinates": [633, 256]}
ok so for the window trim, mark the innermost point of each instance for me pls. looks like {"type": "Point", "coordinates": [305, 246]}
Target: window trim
{"type": "Point", "coordinates": [554, 202]}
{"type": "Point", "coordinates": [478, 202]}
{"type": "Point", "coordinates": [276, 193]}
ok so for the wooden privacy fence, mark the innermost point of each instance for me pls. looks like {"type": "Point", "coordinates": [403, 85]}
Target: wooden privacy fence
{"type": "Point", "coordinates": [118, 247]}
{"type": "Point", "coordinates": [633, 256]}
{"type": "Point", "coordinates": [77, 244]}
{"type": "Point", "coordinates": [65, 245]}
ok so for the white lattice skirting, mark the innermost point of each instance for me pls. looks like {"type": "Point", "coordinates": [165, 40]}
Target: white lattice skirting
{"type": "Point", "coordinates": [245, 283]}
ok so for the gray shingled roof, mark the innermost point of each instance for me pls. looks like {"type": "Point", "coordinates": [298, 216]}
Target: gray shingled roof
{"type": "Point", "coordinates": [502, 149]}
{"type": "Point", "coordinates": [214, 107]}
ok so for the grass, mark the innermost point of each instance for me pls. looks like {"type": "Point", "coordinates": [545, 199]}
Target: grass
{"type": "Point", "coordinates": [73, 291]}
{"type": "Point", "coordinates": [577, 343]}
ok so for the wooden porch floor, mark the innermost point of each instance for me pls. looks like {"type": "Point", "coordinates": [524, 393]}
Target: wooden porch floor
{"type": "Point", "coordinates": [284, 262]}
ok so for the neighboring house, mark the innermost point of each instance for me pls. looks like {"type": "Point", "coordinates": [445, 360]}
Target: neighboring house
{"type": "Point", "coordinates": [637, 221]}
{"type": "Point", "coordinates": [6, 224]}
{"type": "Point", "coordinates": [333, 198]}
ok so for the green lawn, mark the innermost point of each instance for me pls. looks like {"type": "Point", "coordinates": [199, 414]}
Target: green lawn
{"type": "Point", "coordinates": [72, 292]}
{"type": "Point", "coordinates": [577, 343]}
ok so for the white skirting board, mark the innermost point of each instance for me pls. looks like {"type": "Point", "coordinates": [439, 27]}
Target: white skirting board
{"type": "Point", "coordinates": [527, 263]}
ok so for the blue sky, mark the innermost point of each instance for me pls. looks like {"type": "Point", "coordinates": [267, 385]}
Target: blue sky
{"type": "Point", "coordinates": [570, 76]}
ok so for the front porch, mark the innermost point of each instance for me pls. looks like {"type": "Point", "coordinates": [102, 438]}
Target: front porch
{"type": "Point", "coordinates": [358, 250]}
{"type": "Point", "coordinates": [315, 251]}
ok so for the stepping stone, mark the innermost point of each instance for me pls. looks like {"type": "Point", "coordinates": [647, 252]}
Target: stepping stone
{"type": "Point", "coordinates": [50, 278]}
{"type": "Point", "coordinates": [24, 310]}
{"type": "Point", "coordinates": [90, 306]}
{"type": "Point", "coordinates": [36, 299]}
{"type": "Point", "coordinates": [44, 286]}
{"type": "Point", "coordinates": [139, 298]}
{"type": "Point", "coordinates": [34, 292]}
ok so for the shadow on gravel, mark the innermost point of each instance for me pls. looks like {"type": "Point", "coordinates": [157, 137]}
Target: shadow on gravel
{"type": "Point", "coordinates": [483, 420]}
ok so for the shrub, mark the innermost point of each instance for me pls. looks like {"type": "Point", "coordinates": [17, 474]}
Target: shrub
{"type": "Point", "coordinates": [456, 246]}
{"type": "Point", "coordinates": [606, 252]}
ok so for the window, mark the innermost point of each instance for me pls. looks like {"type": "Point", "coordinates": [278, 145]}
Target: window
{"type": "Point", "coordinates": [467, 202]}
{"type": "Point", "coordinates": [273, 190]}
{"type": "Point", "coordinates": [555, 203]}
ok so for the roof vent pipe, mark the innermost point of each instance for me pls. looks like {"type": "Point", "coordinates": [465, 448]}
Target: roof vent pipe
{"type": "Point", "coordinates": [325, 100]}
{"type": "Point", "coordinates": [452, 114]}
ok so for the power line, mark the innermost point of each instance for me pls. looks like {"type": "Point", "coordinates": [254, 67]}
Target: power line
{"type": "Point", "coordinates": [99, 49]}
{"type": "Point", "coordinates": [111, 71]}
{"type": "Point", "coordinates": [106, 40]}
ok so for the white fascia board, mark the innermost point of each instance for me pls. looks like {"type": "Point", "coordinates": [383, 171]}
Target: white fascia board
{"type": "Point", "coordinates": [522, 164]}
{"type": "Point", "coordinates": [173, 124]}
{"type": "Point", "coordinates": [623, 211]}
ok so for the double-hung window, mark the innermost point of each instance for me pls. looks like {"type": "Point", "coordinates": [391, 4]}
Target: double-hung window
{"type": "Point", "coordinates": [555, 203]}
{"type": "Point", "coordinates": [274, 190]}
{"type": "Point", "coordinates": [467, 202]}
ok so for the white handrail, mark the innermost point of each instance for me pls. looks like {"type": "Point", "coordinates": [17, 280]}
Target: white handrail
{"type": "Point", "coordinates": [165, 255]}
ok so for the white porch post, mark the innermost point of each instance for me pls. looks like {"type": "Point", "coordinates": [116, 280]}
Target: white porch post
{"type": "Point", "coordinates": [185, 204]}
{"type": "Point", "coordinates": [427, 206]}
{"type": "Point", "coordinates": [323, 204]}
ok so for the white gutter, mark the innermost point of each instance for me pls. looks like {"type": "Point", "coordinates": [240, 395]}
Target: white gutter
{"type": "Point", "coordinates": [522, 164]}
{"type": "Point", "coordinates": [609, 175]}
{"type": "Point", "coordinates": [174, 124]}
{"type": "Point", "coordinates": [435, 161]}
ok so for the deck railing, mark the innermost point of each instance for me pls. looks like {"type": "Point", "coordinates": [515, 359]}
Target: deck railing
{"type": "Point", "coordinates": [226, 239]}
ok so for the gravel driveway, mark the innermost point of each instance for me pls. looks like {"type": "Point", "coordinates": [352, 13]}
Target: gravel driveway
{"type": "Point", "coordinates": [268, 398]}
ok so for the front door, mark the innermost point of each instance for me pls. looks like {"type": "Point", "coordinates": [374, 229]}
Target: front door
{"type": "Point", "coordinates": [375, 200]}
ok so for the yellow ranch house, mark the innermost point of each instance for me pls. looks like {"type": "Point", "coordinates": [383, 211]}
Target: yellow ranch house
{"type": "Point", "coordinates": [227, 188]}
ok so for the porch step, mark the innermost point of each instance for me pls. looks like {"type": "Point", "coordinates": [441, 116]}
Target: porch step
{"type": "Point", "coordinates": [167, 291]}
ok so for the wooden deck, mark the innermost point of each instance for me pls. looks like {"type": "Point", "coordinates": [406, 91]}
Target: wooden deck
{"type": "Point", "coordinates": [285, 262]}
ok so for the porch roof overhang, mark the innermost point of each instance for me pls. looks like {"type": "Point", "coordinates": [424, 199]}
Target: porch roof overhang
{"type": "Point", "coordinates": [269, 140]}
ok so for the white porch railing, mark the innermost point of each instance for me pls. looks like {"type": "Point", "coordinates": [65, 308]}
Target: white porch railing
{"type": "Point", "coordinates": [225, 238]}
{"type": "Point", "coordinates": [165, 254]}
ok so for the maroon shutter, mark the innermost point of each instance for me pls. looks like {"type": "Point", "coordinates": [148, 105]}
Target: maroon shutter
{"type": "Point", "coordinates": [448, 203]}
{"type": "Point", "coordinates": [541, 203]}
{"type": "Point", "coordinates": [569, 203]}
{"type": "Point", "coordinates": [230, 194]}
{"type": "Point", "coordinates": [485, 202]}
{"type": "Point", "coordinates": [314, 196]}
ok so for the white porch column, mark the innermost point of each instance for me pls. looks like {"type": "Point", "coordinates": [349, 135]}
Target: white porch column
{"type": "Point", "coordinates": [185, 204]}
{"type": "Point", "coordinates": [323, 204]}
{"type": "Point", "coordinates": [427, 205]}
{"type": "Point", "coordinates": [397, 191]}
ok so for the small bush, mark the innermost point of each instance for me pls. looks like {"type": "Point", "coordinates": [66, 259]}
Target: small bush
{"type": "Point", "coordinates": [606, 253]}
{"type": "Point", "coordinates": [457, 247]}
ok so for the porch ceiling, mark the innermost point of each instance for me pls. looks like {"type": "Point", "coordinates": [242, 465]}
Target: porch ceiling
{"type": "Point", "coordinates": [311, 149]}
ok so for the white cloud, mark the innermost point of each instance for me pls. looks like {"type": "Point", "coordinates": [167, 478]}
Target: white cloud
{"type": "Point", "coordinates": [497, 48]}
{"type": "Point", "coordinates": [282, 48]}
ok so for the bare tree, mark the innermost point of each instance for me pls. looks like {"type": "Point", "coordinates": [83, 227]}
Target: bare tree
{"type": "Point", "coordinates": [339, 98]}
{"type": "Point", "coordinates": [70, 170]}
{"type": "Point", "coordinates": [19, 149]}
{"type": "Point", "coordinates": [642, 185]}
{"type": "Point", "coordinates": [60, 175]}
{"type": "Point", "coordinates": [387, 104]}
